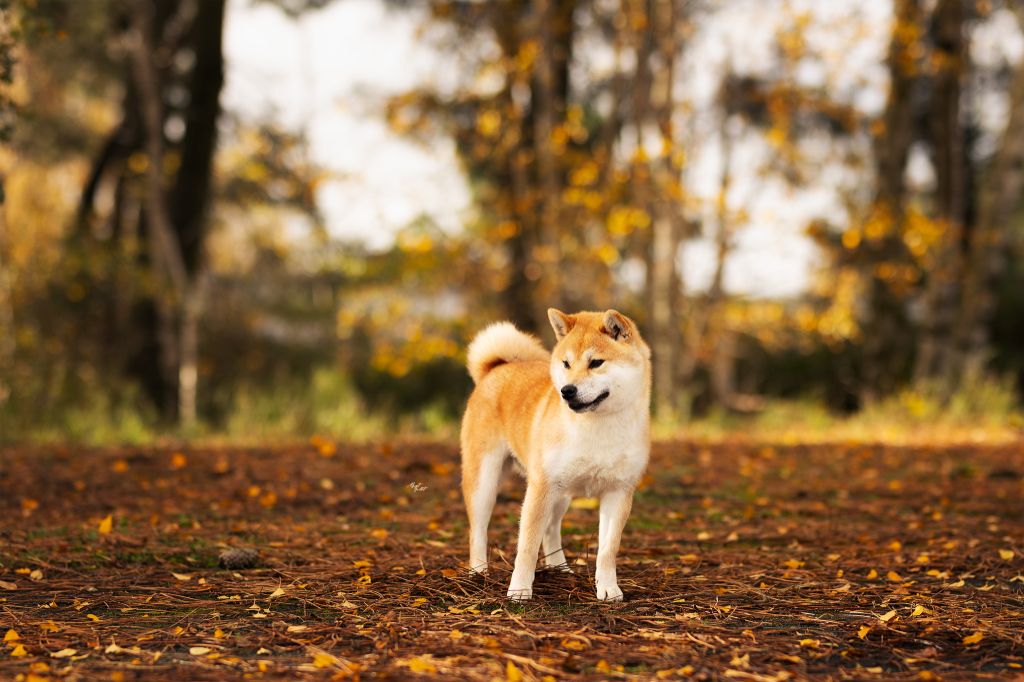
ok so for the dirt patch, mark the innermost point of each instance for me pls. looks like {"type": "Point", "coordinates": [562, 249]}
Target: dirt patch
{"type": "Point", "coordinates": [741, 561]}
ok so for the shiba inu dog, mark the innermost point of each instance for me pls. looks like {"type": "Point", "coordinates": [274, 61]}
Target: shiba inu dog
{"type": "Point", "coordinates": [576, 421]}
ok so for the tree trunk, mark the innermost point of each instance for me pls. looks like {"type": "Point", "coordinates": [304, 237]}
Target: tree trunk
{"type": "Point", "coordinates": [885, 327]}
{"type": "Point", "coordinates": [999, 201]}
{"type": "Point", "coordinates": [936, 348]}
{"type": "Point", "coordinates": [665, 225]}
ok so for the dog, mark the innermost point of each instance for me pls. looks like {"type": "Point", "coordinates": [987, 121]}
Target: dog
{"type": "Point", "coordinates": [574, 421]}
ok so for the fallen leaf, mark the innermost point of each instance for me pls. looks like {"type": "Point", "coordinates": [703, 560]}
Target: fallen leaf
{"type": "Point", "coordinates": [863, 632]}
{"type": "Point", "coordinates": [872, 574]}
{"type": "Point", "coordinates": [323, 660]}
{"type": "Point", "coordinates": [810, 643]}
{"type": "Point", "coordinates": [297, 628]}
{"type": "Point", "coordinates": [887, 617]}
{"type": "Point", "coordinates": [36, 574]}
{"type": "Point", "coordinates": [18, 651]}
{"type": "Point", "coordinates": [11, 636]}
{"type": "Point", "coordinates": [183, 577]}
{"type": "Point", "coordinates": [1006, 554]}
{"type": "Point", "coordinates": [93, 617]}
{"type": "Point", "coordinates": [276, 593]}
{"type": "Point", "coordinates": [106, 525]}
{"type": "Point", "coordinates": [918, 610]}
{"type": "Point", "coordinates": [893, 576]}
{"type": "Point", "coordinates": [975, 638]}
{"type": "Point", "coordinates": [64, 653]}
{"type": "Point", "coordinates": [7, 586]}
{"type": "Point", "coordinates": [512, 673]}
{"type": "Point", "coordinates": [585, 503]}
{"type": "Point", "coordinates": [420, 664]}
{"type": "Point", "coordinates": [199, 650]}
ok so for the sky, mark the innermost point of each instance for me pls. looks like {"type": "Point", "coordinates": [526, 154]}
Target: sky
{"type": "Point", "coordinates": [330, 72]}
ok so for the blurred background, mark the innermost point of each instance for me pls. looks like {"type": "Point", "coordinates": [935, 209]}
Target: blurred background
{"type": "Point", "coordinates": [282, 218]}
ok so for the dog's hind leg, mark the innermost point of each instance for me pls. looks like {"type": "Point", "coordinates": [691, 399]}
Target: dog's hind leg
{"type": "Point", "coordinates": [551, 545]}
{"type": "Point", "coordinates": [481, 474]}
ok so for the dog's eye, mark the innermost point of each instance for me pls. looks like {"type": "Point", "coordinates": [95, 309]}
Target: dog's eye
{"type": "Point", "coordinates": [565, 363]}
{"type": "Point", "coordinates": [595, 363]}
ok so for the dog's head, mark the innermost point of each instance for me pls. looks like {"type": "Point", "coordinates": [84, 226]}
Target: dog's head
{"type": "Point", "coordinates": [599, 361]}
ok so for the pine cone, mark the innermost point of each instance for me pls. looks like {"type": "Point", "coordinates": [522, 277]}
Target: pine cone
{"type": "Point", "coordinates": [234, 559]}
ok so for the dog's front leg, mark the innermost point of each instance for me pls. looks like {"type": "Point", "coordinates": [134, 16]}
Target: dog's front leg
{"type": "Point", "coordinates": [615, 507]}
{"type": "Point", "coordinates": [532, 525]}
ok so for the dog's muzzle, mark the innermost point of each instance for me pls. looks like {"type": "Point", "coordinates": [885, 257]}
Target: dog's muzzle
{"type": "Point", "coordinates": [577, 405]}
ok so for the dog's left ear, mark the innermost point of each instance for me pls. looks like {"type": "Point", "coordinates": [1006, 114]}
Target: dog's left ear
{"type": "Point", "coordinates": [616, 325]}
{"type": "Point", "coordinates": [560, 322]}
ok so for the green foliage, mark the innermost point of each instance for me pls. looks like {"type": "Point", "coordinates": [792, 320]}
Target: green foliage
{"type": "Point", "coordinates": [328, 404]}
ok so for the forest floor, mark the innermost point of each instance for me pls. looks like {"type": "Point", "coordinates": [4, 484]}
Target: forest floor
{"type": "Point", "coordinates": [742, 561]}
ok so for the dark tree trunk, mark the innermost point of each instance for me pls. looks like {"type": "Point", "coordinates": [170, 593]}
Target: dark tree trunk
{"type": "Point", "coordinates": [885, 327]}
{"type": "Point", "coordinates": [935, 351]}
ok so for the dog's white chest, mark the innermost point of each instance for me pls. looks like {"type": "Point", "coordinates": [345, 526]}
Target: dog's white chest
{"type": "Point", "coordinates": [592, 460]}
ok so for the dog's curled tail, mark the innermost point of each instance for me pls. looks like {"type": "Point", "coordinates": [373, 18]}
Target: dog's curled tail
{"type": "Point", "coordinates": [499, 344]}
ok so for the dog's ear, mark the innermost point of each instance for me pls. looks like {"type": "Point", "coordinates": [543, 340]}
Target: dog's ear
{"type": "Point", "coordinates": [616, 325]}
{"type": "Point", "coordinates": [560, 322]}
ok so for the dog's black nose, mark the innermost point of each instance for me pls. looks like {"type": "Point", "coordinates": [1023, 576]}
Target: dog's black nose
{"type": "Point", "coordinates": [569, 392]}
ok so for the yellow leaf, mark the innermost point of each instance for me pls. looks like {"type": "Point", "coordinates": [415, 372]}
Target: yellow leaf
{"type": "Point", "coordinates": [512, 673]}
{"type": "Point", "coordinates": [872, 574]}
{"type": "Point", "coordinates": [420, 664]}
{"type": "Point", "coordinates": [918, 610]}
{"type": "Point", "coordinates": [863, 632]}
{"type": "Point", "coordinates": [276, 593]}
{"type": "Point", "coordinates": [183, 577]}
{"type": "Point", "coordinates": [11, 636]}
{"type": "Point", "coordinates": [219, 634]}
{"type": "Point", "coordinates": [93, 617]}
{"type": "Point", "coordinates": [297, 628]}
{"type": "Point", "coordinates": [1006, 554]}
{"type": "Point", "coordinates": [178, 461]}
{"type": "Point", "coordinates": [810, 643]}
{"type": "Point", "coordinates": [19, 651]}
{"type": "Point", "coordinates": [49, 626]}
{"type": "Point", "coordinates": [887, 617]}
{"type": "Point", "coordinates": [199, 650]}
{"type": "Point", "coordinates": [106, 525]}
{"type": "Point", "coordinates": [324, 660]}
{"type": "Point", "coordinates": [419, 600]}
{"type": "Point", "coordinates": [793, 563]}
{"type": "Point", "coordinates": [573, 644]}
{"type": "Point", "coordinates": [958, 583]}
{"type": "Point", "coordinates": [975, 638]}
{"type": "Point", "coordinates": [379, 533]}
{"type": "Point", "coordinates": [585, 503]}
{"type": "Point", "coordinates": [36, 574]}
{"type": "Point", "coordinates": [893, 576]}
{"type": "Point", "coordinates": [64, 653]}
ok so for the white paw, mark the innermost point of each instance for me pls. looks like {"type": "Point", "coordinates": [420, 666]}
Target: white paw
{"type": "Point", "coordinates": [609, 592]}
{"type": "Point", "coordinates": [520, 593]}
{"type": "Point", "coordinates": [478, 569]}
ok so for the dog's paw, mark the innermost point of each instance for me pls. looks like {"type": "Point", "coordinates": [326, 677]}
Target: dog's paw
{"type": "Point", "coordinates": [479, 569]}
{"type": "Point", "coordinates": [520, 593]}
{"type": "Point", "coordinates": [609, 592]}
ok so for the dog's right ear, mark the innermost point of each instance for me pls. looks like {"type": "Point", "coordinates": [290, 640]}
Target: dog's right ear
{"type": "Point", "coordinates": [560, 322]}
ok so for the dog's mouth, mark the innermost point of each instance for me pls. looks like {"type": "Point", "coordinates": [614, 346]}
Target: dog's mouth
{"type": "Point", "coordinates": [580, 406]}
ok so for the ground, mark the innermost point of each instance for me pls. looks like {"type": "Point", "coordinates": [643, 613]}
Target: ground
{"type": "Point", "coordinates": [744, 561]}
